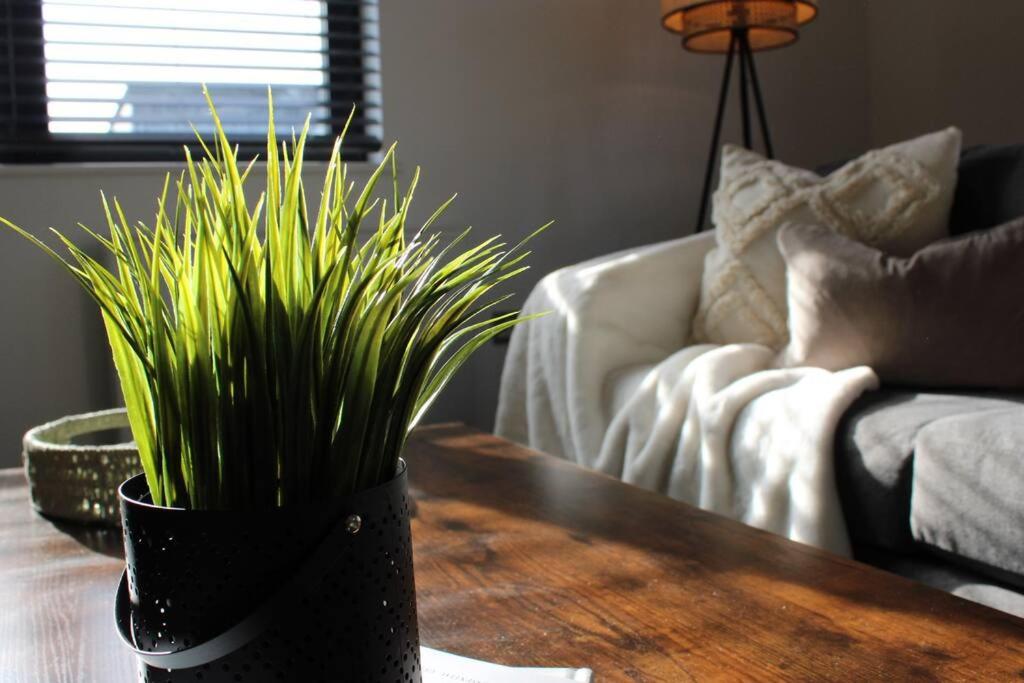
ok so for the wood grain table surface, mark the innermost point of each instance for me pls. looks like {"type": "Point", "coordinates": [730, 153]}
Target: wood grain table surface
{"type": "Point", "coordinates": [522, 558]}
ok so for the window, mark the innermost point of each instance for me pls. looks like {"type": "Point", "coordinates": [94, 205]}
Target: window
{"type": "Point", "coordinates": [120, 80]}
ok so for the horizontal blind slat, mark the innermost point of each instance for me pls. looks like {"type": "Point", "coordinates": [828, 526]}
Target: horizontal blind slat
{"type": "Point", "coordinates": [249, 7]}
{"type": "Point", "coordinates": [296, 119]}
{"type": "Point", "coordinates": [194, 38]}
{"type": "Point", "coordinates": [270, 34]}
{"type": "Point", "coordinates": [164, 66]}
{"type": "Point", "coordinates": [325, 51]}
{"type": "Point", "coordinates": [88, 16]}
{"type": "Point", "coordinates": [333, 87]}
{"type": "Point", "coordinates": [165, 139]}
{"type": "Point", "coordinates": [91, 148]}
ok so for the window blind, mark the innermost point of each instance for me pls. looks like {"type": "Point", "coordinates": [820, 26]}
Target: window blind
{"type": "Point", "coordinates": [121, 79]}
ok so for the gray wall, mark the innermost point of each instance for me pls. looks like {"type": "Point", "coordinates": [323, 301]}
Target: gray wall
{"type": "Point", "coordinates": [932, 64]}
{"type": "Point", "coordinates": [583, 111]}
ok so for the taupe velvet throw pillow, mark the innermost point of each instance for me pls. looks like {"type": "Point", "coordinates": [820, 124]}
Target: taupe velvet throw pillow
{"type": "Point", "coordinates": [951, 315]}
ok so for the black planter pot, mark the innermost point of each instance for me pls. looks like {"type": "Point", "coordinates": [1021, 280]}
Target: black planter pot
{"type": "Point", "coordinates": [293, 594]}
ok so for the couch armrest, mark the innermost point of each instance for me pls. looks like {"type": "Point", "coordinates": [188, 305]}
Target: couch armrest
{"type": "Point", "coordinates": [606, 315]}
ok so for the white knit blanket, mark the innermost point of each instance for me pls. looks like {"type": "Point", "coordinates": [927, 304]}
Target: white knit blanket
{"type": "Point", "coordinates": [604, 380]}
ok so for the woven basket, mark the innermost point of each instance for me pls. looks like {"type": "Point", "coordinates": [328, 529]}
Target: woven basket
{"type": "Point", "coordinates": [78, 483]}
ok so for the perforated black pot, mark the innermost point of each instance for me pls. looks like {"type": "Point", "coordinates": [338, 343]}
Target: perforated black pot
{"type": "Point", "coordinates": [293, 594]}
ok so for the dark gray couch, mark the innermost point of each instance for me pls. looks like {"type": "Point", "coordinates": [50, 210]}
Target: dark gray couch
{"type": "Point", "coordinates": [932, 484]}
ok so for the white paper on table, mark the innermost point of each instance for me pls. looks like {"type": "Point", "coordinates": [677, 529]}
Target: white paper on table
{"type": "Point", "coordinates": [443, 667]}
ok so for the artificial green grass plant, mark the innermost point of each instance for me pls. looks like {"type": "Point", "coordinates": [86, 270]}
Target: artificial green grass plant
{"type": "Point", "coordinates": [271, 356]}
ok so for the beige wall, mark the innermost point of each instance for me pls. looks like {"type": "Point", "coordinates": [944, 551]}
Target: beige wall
{"type": "Point", "coordinates": [583, 111]}
{"type": "Point", "coordinates": [933, 64]}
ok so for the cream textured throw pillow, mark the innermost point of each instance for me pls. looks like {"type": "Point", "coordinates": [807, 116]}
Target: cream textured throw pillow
{"type": "Point", "coordinates": [896, 199]}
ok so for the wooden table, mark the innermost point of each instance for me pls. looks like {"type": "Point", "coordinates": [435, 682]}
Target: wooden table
{"type": "Point", "coordinates": [525, 559]}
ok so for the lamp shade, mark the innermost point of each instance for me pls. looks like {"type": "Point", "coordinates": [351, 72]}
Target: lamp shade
{"type": "Point", "coordinates": [708, 25]}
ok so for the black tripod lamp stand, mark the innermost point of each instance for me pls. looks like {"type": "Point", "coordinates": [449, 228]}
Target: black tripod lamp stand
{"type": "Point", "coordinates": [738, 29]}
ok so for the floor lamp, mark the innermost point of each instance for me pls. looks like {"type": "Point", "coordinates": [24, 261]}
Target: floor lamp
{"type": "Point", "coordinates": [738, 29]}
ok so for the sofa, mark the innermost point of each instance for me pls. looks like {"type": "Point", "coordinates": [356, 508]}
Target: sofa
{"type": "Point", "coordinates": [930, 483]}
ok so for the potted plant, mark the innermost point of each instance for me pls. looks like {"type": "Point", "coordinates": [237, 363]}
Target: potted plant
{"type": "Point", "coordinates": [273, 360]}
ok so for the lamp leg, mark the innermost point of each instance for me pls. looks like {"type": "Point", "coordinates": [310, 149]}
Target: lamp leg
{"type": "Point", "coordinates": [744, 50]}
{"type": "Point", "coordinates": [762, 117]}
{"type": "Point", "coordinates": [713, 152]}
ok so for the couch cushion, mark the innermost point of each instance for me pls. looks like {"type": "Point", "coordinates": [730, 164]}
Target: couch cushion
{"type": "Point", "coordinates": [874, 446]}
{"type": "Point", "coordinates": [967, 496]}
